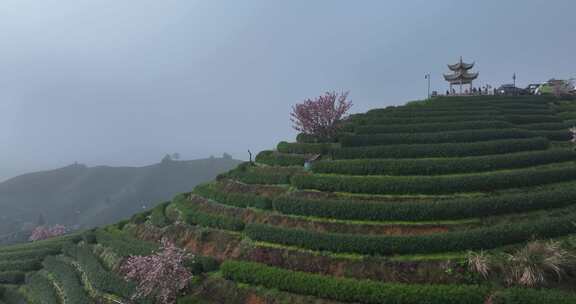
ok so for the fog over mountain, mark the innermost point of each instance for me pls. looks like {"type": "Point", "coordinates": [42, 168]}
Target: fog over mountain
{"type": "Point", "coordinates": [80, 196]}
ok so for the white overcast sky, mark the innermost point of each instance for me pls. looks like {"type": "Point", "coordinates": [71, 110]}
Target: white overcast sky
{"type": "Point", "coordinates": [122, 82]}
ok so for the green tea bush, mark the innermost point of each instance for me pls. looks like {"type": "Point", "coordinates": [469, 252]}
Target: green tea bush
{"type": "Point", "coordinates": [89, 237]}
{"type": "Point", "coordinates": [436, 166]}
{"type": "Point", "coordinates": [531, 296]}
{"type": "Point", "coordinates": [99, 277]}
{"type": "Point", "coordinates": [561, 135]}
{"type": "Point", "coordinates": [541, 112]}
{"type": "Point", "coordinates": [443, 150]}
{"type": "Point", "coordinates": [40, 289]}
{"type": "Point", "coordinates": [242, 200]}
{"type": "Point", "coordinates": [30, 254]}
{"type": "Point", "coordinates": [54, 243]}
{"type": "Point", "coordinates": [303, 148]}
{"type": "Point", "coordinates": [547, 126]}
{"type": "Point", "coordinates": [202, 264]}
{"type": "Point", "coordinates": [140, 218]}
{"type": "Point", "coordinates": [12, 296]}
{"type": "Point", "coordinates": [158, 216]}
{"type": "Point", "coordinates": [68, 279]}
{"type": "Point", "coordinates": [433, 138]}
{"type": "Point", "coordinates": [12, 277]}
{"type": "Point", "coordinates": [309, 138]}
{"type": "Point", "coordinates": [195, 216]}
{"type": "Point", "coordinates": [567, 115]}
{"type": "Point", "coordinates": [421, 120]}
{"type": "Point", "coordinates": [531, 119]}
{"type": "Point", "coordinates": [350, 290]}
{"type": "Point", "coordinates": [21, 265]}
{"type": "Point", "coordinates": [274, 158]}
{"type": "Point", "coordinates": [263, 175]}
{"type": "Point", "coordinates": [122, 243]}
{"type": "Point", "coordinates": [448, 209]}
{"type": "Point", "coordinates": [431, 112]}
{"type": "Point", "coordinates": [433, 127]}
{"type": "Point", "coordinates": [473, 239]}
{"type": "Point", "coordinates": [441, 184]}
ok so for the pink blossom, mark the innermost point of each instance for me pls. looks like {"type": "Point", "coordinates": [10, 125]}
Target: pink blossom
{"type": "Point", "coordinates": [320, 116]}
{"type": "Point", "coordinates": [161, 275]}
{"type": "Point", "coordinates": [46, 232]}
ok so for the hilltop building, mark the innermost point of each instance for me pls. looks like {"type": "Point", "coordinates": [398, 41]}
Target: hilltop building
{"type": "Point", "coordinates": [460, 75]}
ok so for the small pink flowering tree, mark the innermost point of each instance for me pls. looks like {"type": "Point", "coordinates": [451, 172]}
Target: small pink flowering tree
{"type": "Point", "coordinates": [320, 116]}
{"type": "Point", "coordinates": [161, 275]}
{"type": "Point", "coordinates": [47, 232]}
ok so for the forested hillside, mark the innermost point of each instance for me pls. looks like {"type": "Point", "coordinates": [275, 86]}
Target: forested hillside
{"type": "Point", "coordinates": [80, 196]}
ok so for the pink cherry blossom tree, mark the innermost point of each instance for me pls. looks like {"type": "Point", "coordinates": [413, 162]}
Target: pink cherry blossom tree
{"type": "Point", "coordinates": [47, 232]}
{"type": "Point", "coordinates": [320, 116]}
{"type": "Point", "coordinates": [161, 275]}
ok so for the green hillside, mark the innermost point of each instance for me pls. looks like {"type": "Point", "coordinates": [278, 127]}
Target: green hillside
{"type": "Point", "coordinates": [387, 214]}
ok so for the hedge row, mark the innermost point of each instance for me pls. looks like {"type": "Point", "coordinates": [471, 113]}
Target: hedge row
{"type": "Point", "coordinates": [274, 158]}
{"type": "Point", "coordinates": [554, 134]}
{"type": "Point", "coordinates": [40, 289]}
{"type": "Point", "coordinates": [350, 290]}
{"type": "Point", "coordinates": [242, 200]}
{"type": "Point", "coordinates": [473, 239]}
{"type": "Point", "coordinates": [21, 265]}
{"type": "Point", "coordinates": [547, 126]}
{"type": "Point", "coordinates": [67, 279]}
{"type": "Point", "coordinates": [419, 120]}
{"type": "Point", "coordinates": [449, 209]}
{"type": "Point", "coordinates": [436, 166]}
{"type": "Point", "coordinates": [442, 184]}
{"type": "Point", "coordinates": [12, 277]}
{"type": "Point", "coordinates": [477, 111]}
{"type": "Point", "coordinates": [122, 243]}
{"type": "Point", "coordinates": [531, 119]}
{"type": "Point", "coordinates": [194, 216]}
{"type": "Point", "coordinates": [38, 245]}
{"type": "Point", "coordinates": [567, 115]}
{"type": "Point", "coordinates": [263, 175]}
{"type": "Point", "coordinates": [433, 127]}
{"type": "Point", "coordinates": [443, 150]}
{"type": "Point", "coordinates": [100, 278]}
{"type": "Point", "coordinates": [309, 138]}
{"type": "Point", "coordinates": [433, 138]}
{"type": "Point", "coordinates": [34, 253]}
{"type": "Point", "coordinates": [438, 113]}
{"type": "Point", "coordinates": [303, 148]}
{"type": "Point", "coordinates": [531, 296]}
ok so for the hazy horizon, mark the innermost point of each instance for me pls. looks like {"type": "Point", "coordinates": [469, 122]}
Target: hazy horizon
{"type": "Point", "coordinates": [123, 83]}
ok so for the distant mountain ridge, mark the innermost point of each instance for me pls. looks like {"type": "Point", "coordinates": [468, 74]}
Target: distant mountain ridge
{"type": "Point", "coordinates": [81, 196]}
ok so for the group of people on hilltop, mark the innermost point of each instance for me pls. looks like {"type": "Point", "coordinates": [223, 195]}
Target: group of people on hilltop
{"type": "Point", "coordinates": [474, 91]}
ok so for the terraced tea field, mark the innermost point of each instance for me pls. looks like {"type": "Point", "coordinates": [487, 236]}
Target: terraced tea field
{"type": "Point", "coordinates": [387, 214]}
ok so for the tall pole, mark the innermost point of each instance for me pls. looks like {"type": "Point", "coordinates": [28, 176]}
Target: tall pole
{"type": "Point", "coordinates": [514, 82]}
{"type": "Point", "coordinates": [427, 76]}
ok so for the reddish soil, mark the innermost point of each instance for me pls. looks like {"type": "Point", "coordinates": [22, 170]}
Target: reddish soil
{"type": "Point", "coordinates": [261, 217]}
{"type": "Point", "coordinates": [224, 245]}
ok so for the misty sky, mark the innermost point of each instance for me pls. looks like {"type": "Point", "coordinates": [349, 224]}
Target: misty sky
{"type": "Point", "coordinates": [122, 82]}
